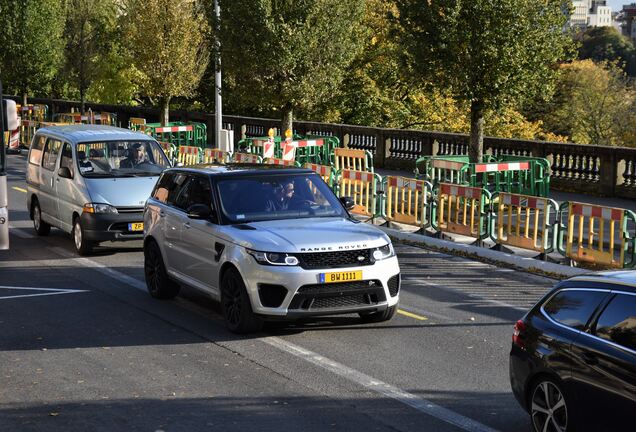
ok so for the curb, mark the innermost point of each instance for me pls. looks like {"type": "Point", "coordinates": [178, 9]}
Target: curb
{"type": "Point", "coordinates": [529, 264]}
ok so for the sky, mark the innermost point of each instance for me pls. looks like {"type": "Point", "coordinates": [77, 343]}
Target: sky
{"type": "Point", "coordinates": [617, 5]}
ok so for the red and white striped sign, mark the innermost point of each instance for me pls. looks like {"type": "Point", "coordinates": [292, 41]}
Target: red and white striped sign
{"type": "Point", "coordinates": [523, 201]}
{"type": "Point", "coordinates": [405, 183]}
{"type": "Point", "coordinates": [448, 164]}
{"type": "Point", "coordinates": [309, 143]}
{"type": "Point", "coordinates": [363, 176]}
{"type": "Point", "coordinates": [166, 129]}
{"type": "Point", "coordinates": [460, 191]}
{"type": "Point", "coordinates": [246, 158]}
{"type": "Point", "coordinates": [289, 150]}
{"type": "Point", "coordinates": [188, 150]}
{"type": "Point", "coordinates": [215, 155]}
{"type": "Point", "coordinates": [608, 213]}
{"type": "Point", "coordinates": [323, 170]}
{"type": "Point", "coordinates": [278, 161]}
{"type": "Point", "coordinates": [507, 166]}
{"type": "Point", "coordinates": [268, 148]}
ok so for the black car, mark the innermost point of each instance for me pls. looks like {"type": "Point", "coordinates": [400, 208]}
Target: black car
{"type": "Point", "coordinates": [573, 357]}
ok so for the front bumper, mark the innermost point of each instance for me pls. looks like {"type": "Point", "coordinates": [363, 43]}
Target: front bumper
{"type": "Point", "coordinates": [100, 227]}
{"type": "Point", "coordinates": [291, 291]}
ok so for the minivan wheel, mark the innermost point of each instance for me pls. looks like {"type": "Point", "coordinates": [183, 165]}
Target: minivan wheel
{"type": "Point", "coordinates": [375, 317]}
{"type": "Point", "coordinates": [82, 246]}
{"type": "Point", "coordinates": [159, 284]}
{"type": "Point", "coordinates": [236, 306]}
{"type": "Point", "coordinates": [548, 407]}
{"type": "Point", "coordinates": [41, 228]}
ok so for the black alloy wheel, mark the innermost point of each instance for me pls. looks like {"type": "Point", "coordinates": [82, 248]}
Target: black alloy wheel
{"type": "Point", "coordinates": [235, 303]}
{"type": "Point", "coordinates": [159, 284]}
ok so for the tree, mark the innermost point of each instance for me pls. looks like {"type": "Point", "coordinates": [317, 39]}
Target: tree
{"type": "Point", "coordinates": [90, 27]}
{"type": "Point", "coordinates": [288, 55]}
{"type": "Point", "coordinates": [594, 104]}
{"type": "Point", "coordinates": [488, 53]}
{"type": "Point", "coordinates": [168, 46]}
{"type": "Point", "coordinates": [607, 44]}
{"type": "Point", "coordinates": [31, 41]}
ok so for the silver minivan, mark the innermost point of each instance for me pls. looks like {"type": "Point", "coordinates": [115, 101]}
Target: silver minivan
{"type": "Point", "coordinates": [92, 182]}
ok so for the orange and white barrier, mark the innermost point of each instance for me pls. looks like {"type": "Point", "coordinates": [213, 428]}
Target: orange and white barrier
{"type": "Point", "coordinates": [324, 171]}
{"type": "Point", "coordinates": [215, 156]}
{"type": "Point", "coordinates": [527, 222]}
{"type": "Point", "coordinates": [278, 161]}
{"type": "Point", "coordinates": [188, 155]}
{"type": "Point", "coordinates": [167, 129]}
{"type": "Point", "coordinates": [361, 186]}
{"type": "Point", "coordinates": [289, 150]}
{"type": "Point", "coordinates": [406, 200]}
{"type": "Point", "coordinates": [503, 166]}
{"type": "Point", "coordinates": [351, 159]}
{"type": "Point", "coordinates": [249, 158]}
{"type": "Point", "coordinates": [462, 210]}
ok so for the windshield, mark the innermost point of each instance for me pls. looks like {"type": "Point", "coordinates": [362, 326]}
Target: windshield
{"type": "Point", "coordinates": [121, 159]}
{"type": "Point", "coordinates": [274, 197]}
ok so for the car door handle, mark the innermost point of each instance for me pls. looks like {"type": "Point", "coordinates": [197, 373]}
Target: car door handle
{"type": "Point", "coordinates": [186, 225]}
{"type": "Point", "coordinates": [590, 359]}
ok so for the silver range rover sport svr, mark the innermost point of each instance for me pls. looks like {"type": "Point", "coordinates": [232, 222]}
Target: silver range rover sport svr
{"type": "Point", "coordinates": [267, 243]}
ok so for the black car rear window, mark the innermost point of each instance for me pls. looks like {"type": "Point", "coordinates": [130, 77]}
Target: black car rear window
{"type": "Point", "coordinates": [573, 308]}
{"type": "Point", "coordinates": [617, 322]}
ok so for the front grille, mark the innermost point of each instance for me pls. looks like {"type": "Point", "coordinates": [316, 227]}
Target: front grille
{"type": "Point", "coordinates": [394, 285]}
{"type": "Point", "coordinates": [326, 260]}
{"type": "Point", "coordinates": [338, 295]}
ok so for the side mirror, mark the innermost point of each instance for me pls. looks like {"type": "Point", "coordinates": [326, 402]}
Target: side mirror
{"type": "Point", "coordinates": [348, 202]}
{"type": "Point", "coordinates": [200, 211]}
{"type": "Point", "coordinates": [64, 172]}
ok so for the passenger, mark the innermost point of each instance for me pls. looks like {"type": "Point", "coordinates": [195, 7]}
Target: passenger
{"type": "Point", "coordinates": [84, 163]}
{"type": "Point", "coordinates": [136, 156]}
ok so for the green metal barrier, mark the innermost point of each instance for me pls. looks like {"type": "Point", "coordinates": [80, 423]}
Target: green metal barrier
{"type": "Point", "coordinates": [176, 133]}
{"type": "Point", "coordinates": [309, 148]}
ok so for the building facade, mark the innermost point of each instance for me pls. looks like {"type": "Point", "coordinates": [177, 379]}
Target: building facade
{"type": "Point", "coordinates": [590, 13]}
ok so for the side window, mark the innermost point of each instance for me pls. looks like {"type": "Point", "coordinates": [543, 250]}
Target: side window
{"type": "Point", "coordinates": [201, 192]}
{"type": "Point", "coordinates": [617, 323]}
{"type": "Point", "coordinates": [163, 187]}
{"type": "Point", "coordinates": [37, 145]}
{"type": "Point", "coordinates": [182, 200]}
{"type": "Point", "coordinates": [573, 308]}
{"type": "Point", "coordinates": [176, 187]}
{"type": "Point", "coordinates": [51, 150]}
{"type": "Point", "coordinates": [67, 159]}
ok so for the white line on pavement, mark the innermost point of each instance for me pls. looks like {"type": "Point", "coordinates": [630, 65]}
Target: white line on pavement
{"type": "Point", "coordinates": [49, 291]}
{"type": "Point", "coordinates": [19, 232]}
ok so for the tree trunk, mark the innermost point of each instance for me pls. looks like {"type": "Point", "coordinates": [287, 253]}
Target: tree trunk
{"type": "Point", "coordinates": [287, 120]}
{"type": "Point", "coordinates": [82, 101]}
{"type": "Point", "coordinates": [164, 115]}
{"type": "Point", "coordinates": [476, 146]}
{"type": "Point", "coordinates": [24, 99]}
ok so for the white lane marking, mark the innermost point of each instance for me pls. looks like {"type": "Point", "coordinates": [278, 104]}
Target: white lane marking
{"type": "Point", "coordinates": [18, 232]}
{"type": "Point", "coordinates": [49, 291]}
{"type": "Point", "coordinates": [378, 386]}
{"type": "Point", "coordinates": [353, 375]}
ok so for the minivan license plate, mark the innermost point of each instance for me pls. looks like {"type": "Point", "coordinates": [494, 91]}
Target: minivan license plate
{"type": "Point", "coordinates": [136, 226]}
{"type": "Point", "coordinates": [341, 276]}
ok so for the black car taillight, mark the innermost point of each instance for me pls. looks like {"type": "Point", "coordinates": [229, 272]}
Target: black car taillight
{"type": "Point", "coordinates": [518, 334]}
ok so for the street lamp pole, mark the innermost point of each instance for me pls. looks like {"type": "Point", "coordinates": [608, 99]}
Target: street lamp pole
{"type": "Point", "coordinates": [218, 110]}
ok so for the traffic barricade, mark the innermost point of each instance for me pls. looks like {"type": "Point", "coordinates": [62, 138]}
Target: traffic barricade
{"type": "Point", "coordinates": [279, 161]}
{"type": "Point", "coordinates": [247, 158]}
{"type": "Point", "coordinates": [325, 171]}
{"type": "Point", "coordinates": [362, 187]}
{"type": "Point", "coordinates": [596, 235]}
{"type": "Point", "coordinates": [525, 221]}
{"type": "Point", "coordinates": [463, 210]}
{"type": "Point", "coordinates": [406, 201]}
{"type": "Point", "coordinates": [188, 155]}
{"type": "Point", "coordinates": [137, 124]}
{"type": "Point", "coordinates": [289, 150]}
{"type": "Point", "coordinates": [537, 181]}
{"type": "Point", "coordinates": [215, 156]}
{"type": "Point", "coordinates": [180, 135]}
{"type": "Point", "coordinates": [352, 159]}
{"type": "Point", "coordinates": [309, 148]}
{"type": "Point", "coordinates": [513, 177]}
{"type": "Point", "coordinates": [168, 149]}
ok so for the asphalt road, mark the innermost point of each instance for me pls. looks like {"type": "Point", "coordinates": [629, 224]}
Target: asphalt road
{"type": "Point", "coordinates": [84, 347]}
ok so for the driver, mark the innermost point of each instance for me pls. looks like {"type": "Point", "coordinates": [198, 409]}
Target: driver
{"type": "Point", "coordinates": [283, 195]}
{"type": "Point", "coordinates": [136, 156]}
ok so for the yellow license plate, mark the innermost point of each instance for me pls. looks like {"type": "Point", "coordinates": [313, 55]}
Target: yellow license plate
{"type": "Point", "coordinates": [341, 276]}
{"type": "Point", "coordinates": [137, 226]}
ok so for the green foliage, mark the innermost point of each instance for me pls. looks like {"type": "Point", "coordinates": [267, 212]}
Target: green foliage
{"type": "Point", "coordinates": [31, 41]}
{"type": "Point", "coordinates": [284, 55]}
{"type": "Point", "coordinates": [607, 44]}
{"type": "Point", "coordinates": [167, 43]}
{"type": "Point", "coordinates": [489, 53]}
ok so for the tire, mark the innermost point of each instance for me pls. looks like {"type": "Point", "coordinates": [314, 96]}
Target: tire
{"type": "Point", "coordinates": [159, 284]}
{"type": "Point", "coordinates": [41, 228]}
{"type": "Point", "coordinates": [549, 404]}
{"type": "Point", "coordinates": [375, 317]}
{"type": "Point", "coordinates": [82, 246]}
{"type": "Point", "coordinates": [236, 306]}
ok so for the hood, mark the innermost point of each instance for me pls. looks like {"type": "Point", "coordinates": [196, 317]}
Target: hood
{"type": "Point", "coordinates": [121, 192]}
{"type": "Point", "coordinates": [307, 235]}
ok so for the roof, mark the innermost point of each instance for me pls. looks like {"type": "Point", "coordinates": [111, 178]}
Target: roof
{"type": "Point", "coordinates": [619, 277]}
{"type": "Point", "coordinates": [242, 169]}
{"type": "Point", "coordinates": [93, 133]}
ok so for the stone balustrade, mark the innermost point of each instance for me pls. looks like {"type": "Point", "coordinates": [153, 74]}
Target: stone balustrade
{"type": "Point", "coordinates": [597, 170]}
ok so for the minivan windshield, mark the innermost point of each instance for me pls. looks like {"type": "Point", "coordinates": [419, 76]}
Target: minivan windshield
{"type": "Point", "coordinates": [121, 159]}
{"type": "Point", "coordinates": [274, 197]}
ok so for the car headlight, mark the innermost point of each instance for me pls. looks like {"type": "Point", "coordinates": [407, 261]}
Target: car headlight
{"type": "Point", "coordinates": [383, 252]}
{"type": "Point", "coordinates": [99, 208]}
{"type": "Point", "coordinates": [274, 258]}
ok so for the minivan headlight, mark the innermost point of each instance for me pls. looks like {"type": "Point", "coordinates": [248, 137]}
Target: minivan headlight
{"type": "Point", "coordinates": [99, 208]}
{"type": "Point", "coordinates": [274, 258]}
{"type": "Point", "coordinates": [384, 252]}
